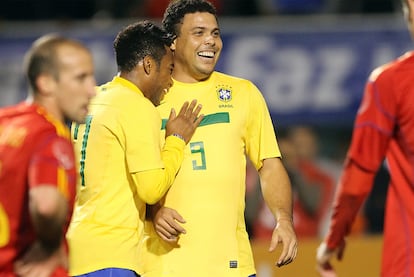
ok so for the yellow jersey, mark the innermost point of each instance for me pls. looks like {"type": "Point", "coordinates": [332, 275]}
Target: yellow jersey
{"type": "Point", "coordinates": [120, 137]}
{"type": "Point", "coordinates": [209, 189]}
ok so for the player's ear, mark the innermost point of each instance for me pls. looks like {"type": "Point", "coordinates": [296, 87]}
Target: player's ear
{"type": "Point", "coordinates": [147, 64]}
{"type": "Point", "coordinates": [45, 84]}
{"type": "Point", "coordinates": [172, 47]}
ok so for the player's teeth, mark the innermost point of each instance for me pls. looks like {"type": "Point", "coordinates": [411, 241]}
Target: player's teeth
{"type": "Point", "coordinates": [208, 54]}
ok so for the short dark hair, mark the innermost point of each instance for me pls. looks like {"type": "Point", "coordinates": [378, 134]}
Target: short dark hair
{"type": "Point", "coordinates": [138, 40]}
{"type": "Point", "coordinates": [42, 57]}
{"type": "Point", "coordinates": [176, 10]}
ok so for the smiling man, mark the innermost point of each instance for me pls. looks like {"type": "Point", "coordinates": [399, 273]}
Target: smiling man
{"type": "Point", "coordinates": [209, 190]}
{"type": "Point", "coordinates": [123, 163]}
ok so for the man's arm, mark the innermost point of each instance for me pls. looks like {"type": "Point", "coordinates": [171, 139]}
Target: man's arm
{"type": "Point", "coordinates": [277, 193]}
{"type": "Point", "coordinates": [48, 210]}
{"type": "Point", "coordinates": [353, 188]}
{"type": "Point", "coordinates": [153, 184]}
{"type": "Point", "coordinates": [49, 213]}
{"type": "Point", "coordinates": [373, 129]}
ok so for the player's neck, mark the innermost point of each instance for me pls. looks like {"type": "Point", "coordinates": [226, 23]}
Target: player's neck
{"type": "Point", "coordinates": [50, 106]}
{"type": "Point", "coordinates": [185, 77]}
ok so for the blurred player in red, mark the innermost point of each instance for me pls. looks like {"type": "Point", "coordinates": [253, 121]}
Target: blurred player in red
{"type": "Point", "coordinates": [37, 169]}
{"type": "Point", "coordinates": [384, 128]}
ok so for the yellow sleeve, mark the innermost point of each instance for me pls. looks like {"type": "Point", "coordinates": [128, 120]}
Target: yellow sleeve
{"type": "Point", "coordinates": [153, 184]}
{"type": "Point", "coordinates": [261, 140]}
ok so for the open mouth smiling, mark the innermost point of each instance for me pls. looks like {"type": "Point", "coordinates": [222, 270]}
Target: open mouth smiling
{"type": "Point", "coordinates": [206, 54]}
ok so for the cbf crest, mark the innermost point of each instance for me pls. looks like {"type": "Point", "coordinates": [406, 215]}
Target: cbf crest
{"type": "Point", "coordinates": [224, 93]}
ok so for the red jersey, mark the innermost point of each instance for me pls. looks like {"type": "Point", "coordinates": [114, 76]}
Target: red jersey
{"type": "Point", "coordinates": [35, 149]}
{"type": "Point", "coordinates": [384, 128]}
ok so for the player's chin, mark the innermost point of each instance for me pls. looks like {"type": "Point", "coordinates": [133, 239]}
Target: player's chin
{"type": "Point", "coordinates": [206, 70]}
{"type": "Point", "coordinates": [157, 102]}
{"type": "Point", "coordinates": [80, 117]}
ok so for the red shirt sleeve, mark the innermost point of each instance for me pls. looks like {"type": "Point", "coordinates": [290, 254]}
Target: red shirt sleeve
{"type": "Point", "coordinates": [353, 188]}
{"type": "Point", "coordinates": [53, 164]}
{"type": "Point", "coordinates": [374, 127]}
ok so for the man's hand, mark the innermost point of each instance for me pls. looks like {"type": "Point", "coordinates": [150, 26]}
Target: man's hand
{"type": "Point", "coordinates": [185, 123]}
{"type": "Point", "coordinates": [285, 234]}
{"type": "Point", "coordinates": [166, 224]}
{"type": "Point", "coordinates": [324, 256]}
{"type": "Point", "coordinates": [37, 262]}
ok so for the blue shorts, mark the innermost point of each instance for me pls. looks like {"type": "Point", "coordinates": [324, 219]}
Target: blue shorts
{"type": "Point", "coordinates": [117, 272]}
{"type": "Point", "coordinates": [111, 272]}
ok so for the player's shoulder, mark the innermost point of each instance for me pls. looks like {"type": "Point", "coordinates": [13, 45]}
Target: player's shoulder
{"type": "Point", "coordinates": [30, 117]}
{"type": "Point", "coordinates": [234, 82]}
{"type": "Point", "coordinates": [229, 78]}
{"type": "Point", "coordinates": [43, 131]}
{"type": "Point", "coordinates": [402, 64]}
{"type": "Point", "coordinates": [30, 126]}
{"type": "Point", "coordinates": [15, 111]}
{"type": "Point", "coordinates": [119, 94]}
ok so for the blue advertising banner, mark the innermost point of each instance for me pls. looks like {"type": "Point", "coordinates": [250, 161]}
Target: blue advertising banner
{"type": "Point", "coordinates": [312, 71]}
{"type": "Point", "coordinates": [312, 76]}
